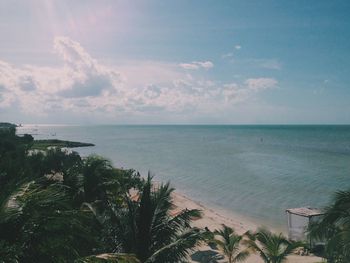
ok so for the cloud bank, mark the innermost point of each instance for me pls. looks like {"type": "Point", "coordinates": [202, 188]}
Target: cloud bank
{"type": "Point", "coordinates": [82, 86]}
{"type": "Point", "coordinates": [197, 65]}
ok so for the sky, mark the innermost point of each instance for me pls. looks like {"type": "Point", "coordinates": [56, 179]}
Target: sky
{"type": "Point", "coordinates": [175, 62]}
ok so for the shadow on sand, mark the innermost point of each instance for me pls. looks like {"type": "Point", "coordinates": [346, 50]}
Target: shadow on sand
{"type": "Point", "coordinates": [206, 256]}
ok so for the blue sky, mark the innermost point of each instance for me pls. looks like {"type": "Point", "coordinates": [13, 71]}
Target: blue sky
{"type": "Point", "coordinates": [190, 62]}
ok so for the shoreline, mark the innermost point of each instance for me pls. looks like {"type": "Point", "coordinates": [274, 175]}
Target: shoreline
{"type": "Point", "coordinates": [228, 215]}
{"type": "Point", "coordinates": [214, 218]}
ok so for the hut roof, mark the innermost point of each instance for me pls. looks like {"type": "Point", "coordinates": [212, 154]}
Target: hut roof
{"type": "Point", "coordinates": [305, 211]}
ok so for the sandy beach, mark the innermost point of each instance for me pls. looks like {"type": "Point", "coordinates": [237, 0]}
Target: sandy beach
{"type": "Point", "coordinates": [214, 219]}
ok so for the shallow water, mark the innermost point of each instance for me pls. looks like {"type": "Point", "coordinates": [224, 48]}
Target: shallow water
{"type": "Point", "coordinates": [255, 171]}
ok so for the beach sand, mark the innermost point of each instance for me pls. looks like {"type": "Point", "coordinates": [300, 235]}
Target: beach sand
{"type": "Point", "coordinates": [213, 219]}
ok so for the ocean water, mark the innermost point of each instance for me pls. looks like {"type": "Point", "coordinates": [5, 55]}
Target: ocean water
{"type": "Point", "coordinates": [254, 171]}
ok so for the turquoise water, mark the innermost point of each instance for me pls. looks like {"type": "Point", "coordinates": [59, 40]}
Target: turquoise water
{"type": "Point", "coordinates": [254, 171]}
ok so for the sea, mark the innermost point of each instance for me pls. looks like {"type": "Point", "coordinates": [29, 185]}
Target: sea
{"type": "Point", "coordinates": [255, 171]}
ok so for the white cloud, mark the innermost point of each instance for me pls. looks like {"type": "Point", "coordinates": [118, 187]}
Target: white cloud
{"type": "Point", "coordinates": [242, 92]}
{"type": "Point", "coordinates": [197, 65]}
{"type": "Point", "coordinates": [88, 77]}
{"type": "Point", "coordinates": [39, 90]}
{"type": "Point", "coordinates": [230, 54]}
{"type": "Point", "coordinates": [227, 55]}
{"type": "Point", "coordinates": [270, 64]}
{"type": "Point", "coordinates": [82, 86]}
{"type": "Point", "coordinates": [260, 83]}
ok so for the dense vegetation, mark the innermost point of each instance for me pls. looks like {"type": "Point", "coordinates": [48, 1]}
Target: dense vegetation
{"type": "Point", "coordinates": [334, 228]}
{"type": "Point", "coordinates": [7, 125]}
{"type": "Point", "coordinates": [44, 144]}
{"type": "Point", "coordinates": [58, 207]}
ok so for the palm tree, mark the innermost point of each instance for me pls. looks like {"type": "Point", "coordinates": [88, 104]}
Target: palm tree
{"type": "Point", "coordinates": [96, 172]}
{"type": "Point", "coordinates": [272, 248]}
{"type": "Point", "coordinates": [42, 219]}
{"type": "Point", "coordinates": [146, 228]}
{"type": "Point", "coordinates": [103, 182]}
{"type": "Point", "coordinates": [13, 153]}
{"type": "Point", "coordinates": [229, 243]}
{"type": "Point", "coordinates": [47, 218]}
{"type": "Point", "coordinates": [41, 222]}
{"type": "Point", "coordinates": [334, 228]}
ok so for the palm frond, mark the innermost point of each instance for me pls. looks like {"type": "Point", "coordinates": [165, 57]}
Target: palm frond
{"type": "Point", "coordinates": [179, 249]}
{"type": "Point", "coordinates": [271, 247]}
{"type": "Point", "coordinates": [230, 244]}
{"type": "Point", "coordinates": [241, 256]}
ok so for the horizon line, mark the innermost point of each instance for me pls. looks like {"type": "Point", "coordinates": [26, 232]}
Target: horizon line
{"type": "Point", "coordinates": [183, 124]}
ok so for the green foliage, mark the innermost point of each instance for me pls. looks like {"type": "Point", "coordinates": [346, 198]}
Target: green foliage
{"type": "Point", "coordinates": [45, 144]}
{"type": "Point", "coordinates": [334, 228]}
{"type": "Point", "coordinates": [230, 244]}
{"type": "Point", "coordinates": [272, 248]}
{"type": "Point", "coordinates": [13, 152]}
{"type": "Point", "coordinates": [9, 253]}
{"type": "Point", "coordinates": [146, 228]}
{"type": "Point", "coordinates": [42, 220]}
{"type": "Point", "coordinates": [7, 125]}
{"type": "Point", "coordinates": [45, 201]}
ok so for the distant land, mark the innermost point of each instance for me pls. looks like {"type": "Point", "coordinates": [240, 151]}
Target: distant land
{"type": "Point", "coordinates": [7, 125]}
{"type": "Point", "coordinates": [44, 144]}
